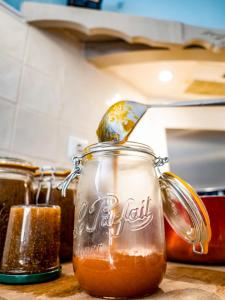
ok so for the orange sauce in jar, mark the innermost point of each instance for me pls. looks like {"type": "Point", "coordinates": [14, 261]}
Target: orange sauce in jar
{"type": "Point", "coordinates": [119, 273]}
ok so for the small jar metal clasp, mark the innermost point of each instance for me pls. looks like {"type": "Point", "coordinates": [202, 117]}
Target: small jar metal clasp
{"type": "Point", "coordinates": [48, 181]}
{"type": "Point", "coordinates": [75, 173]}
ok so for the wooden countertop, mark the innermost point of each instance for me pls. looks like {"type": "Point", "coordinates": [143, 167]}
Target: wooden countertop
{"type": "Point", "coordinates": [185, 282]}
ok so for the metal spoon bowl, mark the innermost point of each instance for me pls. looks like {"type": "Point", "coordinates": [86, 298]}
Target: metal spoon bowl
{"type": "Point", "coordinates": [122, 117]}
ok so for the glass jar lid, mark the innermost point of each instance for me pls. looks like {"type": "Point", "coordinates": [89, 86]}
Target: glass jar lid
{"type": "Point", "coordinates": [16, 163]}
{"type": "Point", "coordinates": [185, 212]}
{"type": "Point", "coordinates": [47, 171]}
{"type": "Point", "coordinates": [112, 146]}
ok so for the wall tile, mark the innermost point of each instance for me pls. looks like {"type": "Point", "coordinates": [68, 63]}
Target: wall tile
{"type": "Point", "coordinates": [40, 92]}
{"type": "Point", "coordinates": [82, 94]}
{"type": "Point", "coordinates": [12, 35]}
{"type": "Point", "coordinates": [35, 135]}
{"type": "Point", "coordinates": [60, 94]}
{"type": "Point", "coordinates": [35, 161]}
{"type": "Point", "coordinates": [10, 72]}
{"type": "Point", "coordinates": [44, 52]}
{"type": "Point", "coordinates": [86, 91]}
{"type": "Point", "coordinates": [64, 132]}
{"type": "Point", "coordinates": [5, 153]}
{"type": "Point", "coordinates": [77, 107]}
{"type": "Point", "coordinates": [7, 111]}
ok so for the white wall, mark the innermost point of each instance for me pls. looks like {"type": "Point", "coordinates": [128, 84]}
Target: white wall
{"type": "Point", "coordinates": [48, 91]}
{"type": "Point", "coordinates": [152, 128]}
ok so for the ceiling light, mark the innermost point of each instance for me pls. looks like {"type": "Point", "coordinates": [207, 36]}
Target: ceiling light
{"type": "Point", "coordinates": [165, 75]}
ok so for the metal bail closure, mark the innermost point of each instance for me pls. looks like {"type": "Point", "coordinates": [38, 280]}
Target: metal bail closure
{"type": "Point", "coordinates": [45, 181]}
{"type": "Point", "coordinates": [75, 173]}
{"type": "Point", "coordinates": [185, 212]}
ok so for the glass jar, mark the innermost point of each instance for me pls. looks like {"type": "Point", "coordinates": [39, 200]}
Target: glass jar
{"type": "Point", "coordinates": [47, 180]}
{"type": "Point", "coordinates": [35, 249]}
{"type": "Point", "coordinates": [16, 177]}
{"type": "Point", "coordinates": [31, 251]}
{"type": "Point", "coordinates": [119, 239]}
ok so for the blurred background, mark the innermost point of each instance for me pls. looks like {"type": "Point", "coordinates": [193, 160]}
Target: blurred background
{"type": "Point", "coordinates": [62, 64]}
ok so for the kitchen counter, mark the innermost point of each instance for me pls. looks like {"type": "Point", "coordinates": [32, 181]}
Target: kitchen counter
{"type": "Point", "coordinates": [185, 282]}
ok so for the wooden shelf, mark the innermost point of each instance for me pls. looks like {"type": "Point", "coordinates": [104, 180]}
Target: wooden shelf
{"type": "Point", "coordinates": [110, 37]}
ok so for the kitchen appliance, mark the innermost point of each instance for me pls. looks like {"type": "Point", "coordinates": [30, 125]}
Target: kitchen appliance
{"type": "Point", "coordinates": [178, 250]}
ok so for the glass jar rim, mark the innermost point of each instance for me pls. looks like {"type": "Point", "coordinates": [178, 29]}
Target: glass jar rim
{"type": "Point", "coordinates": [49, 171]}
{"type": "Point", "coordinates": [14, 163]}
{"type": "Point", "coordinates": [112, 146]}
{"type": "Point", "coordinates": [39, 205]}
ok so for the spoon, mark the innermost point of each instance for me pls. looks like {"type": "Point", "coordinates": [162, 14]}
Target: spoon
{"type": "Point", "coordinates": [121, 118]}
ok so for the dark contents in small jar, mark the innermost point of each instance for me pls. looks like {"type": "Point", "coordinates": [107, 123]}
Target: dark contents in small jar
{"type": "Point", "coordinates": [67, 219]}
{"type": "Point", "coordinates": [12, 192]}
{"type": "Point", "coordinates": [32, 242]}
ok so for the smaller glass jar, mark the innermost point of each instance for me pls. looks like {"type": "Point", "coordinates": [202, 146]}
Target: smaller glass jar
{"type": "Point", "coordinates": [32, 240]}
{"type": "Point", "coordinates": [119, 239]}
{"type": "Point", "coordinates": [16, 177]}
{"type": "Point", "coordinates": [46, 191]}
{"type": "Point", "coordinates": [31, 251]}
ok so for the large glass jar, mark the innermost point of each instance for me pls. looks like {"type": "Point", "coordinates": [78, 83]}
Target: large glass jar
{"type": "Point", "coordinates": [119, 240]}
{"type": "Point", "coordinates": [47, 180]}
{"type": "Point", "coordinates": [16, 176]}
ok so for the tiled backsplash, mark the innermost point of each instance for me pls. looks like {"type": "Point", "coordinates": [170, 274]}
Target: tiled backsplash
{"type": "Point", "coordinates": [48, 91]}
